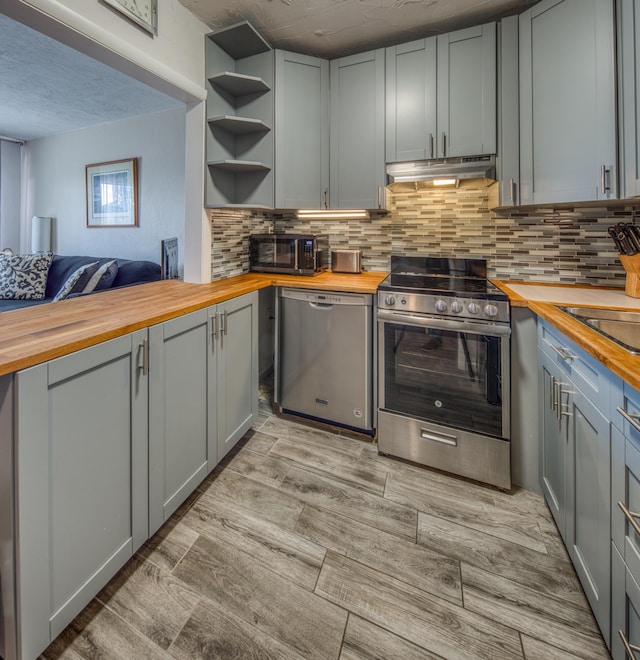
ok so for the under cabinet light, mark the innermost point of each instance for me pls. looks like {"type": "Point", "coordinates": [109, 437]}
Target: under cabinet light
{"type": "Point", "coordinates": [337, 214]}
{"type": "Point", "coordinates": [445, 182]}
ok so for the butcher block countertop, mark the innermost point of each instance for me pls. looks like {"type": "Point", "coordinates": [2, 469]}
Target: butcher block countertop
{"type": "Point", "coordinates": [543, 299]}
{"type": "Point", "coordinates": [37, 334]}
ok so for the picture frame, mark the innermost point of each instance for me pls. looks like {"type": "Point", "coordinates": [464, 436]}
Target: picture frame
{"type": "Point", "coordinates": [112, 193]}
{"type": "Point", "coordinates": [143, 12]}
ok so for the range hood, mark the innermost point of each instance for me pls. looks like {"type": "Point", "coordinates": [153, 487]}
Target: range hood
{"type": "Point", "coordinates": [443, 171]}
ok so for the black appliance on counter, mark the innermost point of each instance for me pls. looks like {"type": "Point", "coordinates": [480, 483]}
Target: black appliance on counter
{"type": "Point", "coordinates": [293, 254]}
{"type": "Point", "coordinates": [444, 367]}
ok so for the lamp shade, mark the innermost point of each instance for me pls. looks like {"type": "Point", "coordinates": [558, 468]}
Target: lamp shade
{"type": "Point", "coordinates": [40, 234]}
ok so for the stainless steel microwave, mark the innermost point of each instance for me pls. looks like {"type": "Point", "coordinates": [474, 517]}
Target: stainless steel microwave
{"type": "Point", "coordinates": [296, 254]}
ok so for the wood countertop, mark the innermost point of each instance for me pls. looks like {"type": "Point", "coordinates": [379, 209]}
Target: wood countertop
{"type": "Point", "coordinates": [543, 299]}
{"type": "Point", "coordinates": [37, 334]}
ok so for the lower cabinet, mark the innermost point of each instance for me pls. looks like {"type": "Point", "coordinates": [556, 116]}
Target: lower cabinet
{"type": "Point", "coordinates": [575, 460]}
{"type": "Point", "coordinates": [80, 443]}
{"type": "Point", "coordinates": [203, 397]}
{"type": "Point", "coordinates": [106, 443]}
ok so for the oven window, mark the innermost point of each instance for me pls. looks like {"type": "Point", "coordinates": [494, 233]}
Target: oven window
{"type": "Point", "coordinates": [276, 253]}
{"type": "Point", "coordinates": [443, 376]}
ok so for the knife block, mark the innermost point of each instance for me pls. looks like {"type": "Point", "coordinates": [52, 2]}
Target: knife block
{"type": "Point", "coordinates": [632, 266]}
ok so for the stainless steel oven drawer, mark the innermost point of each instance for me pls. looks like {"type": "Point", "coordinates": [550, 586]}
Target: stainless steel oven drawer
{"type": "Point", "coordinates": [482, 458]}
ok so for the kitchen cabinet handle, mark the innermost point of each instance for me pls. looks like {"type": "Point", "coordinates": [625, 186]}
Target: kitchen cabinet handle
{"type": "Point", "coordinates": [552, 393]}
{"type": "Point", "coordinates": [563, 352]}
{"type": "Point", "coordinates": [631, 517]}
{"type": "Point", "coordinates": [605, 179]}
{"type": "Point", "coordinates": [444, 144]}
{"type": "Point", "coordinates": [512, 191]}
{"type": "Point", "coordinates": [632, 418]}
{"type": "Point", "coordinates": [326, 198]}
{"type": "Point", "coordinates": [630, 649]}
{"type": "Point", "coordinates": [223, 323]}
{"type": "Point", "coordinates": [558, 395]}
{"type": "Point", "coordinates": [144, 350]}
{"type": "Point", "coordinates": [431, 144]}
{"type": "Point", "coordinates": [214, 326]}
{"type": "Point", "coordinates": [561, 411]}
{"type": "Point", "coordinates": [380, 197]}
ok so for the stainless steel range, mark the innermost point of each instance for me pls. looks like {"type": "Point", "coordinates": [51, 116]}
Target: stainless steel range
{"type": "Point", "coordinates": [443, 346]}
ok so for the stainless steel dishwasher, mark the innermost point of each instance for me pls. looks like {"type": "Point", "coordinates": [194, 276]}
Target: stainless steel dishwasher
{"type": "Point", "coordinates": [324, 356]}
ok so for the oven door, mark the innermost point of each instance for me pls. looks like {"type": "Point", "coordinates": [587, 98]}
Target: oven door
{"type": "Point", "coordinates": [277, 254]}
{"type": "Point", "coordinates": [453, 373]}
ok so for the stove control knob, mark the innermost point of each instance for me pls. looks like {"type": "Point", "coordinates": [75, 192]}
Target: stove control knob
{"type": "Point", "coordinates": [491, 310]}
{"type": "Point", "coordinates": [473, 308]}
{"type": "Point", "coordinates": [390, 300]}
{"type": "Point", "coordinates": [456, 307]}
{"type": "Point", "coordinates": [441, 306]}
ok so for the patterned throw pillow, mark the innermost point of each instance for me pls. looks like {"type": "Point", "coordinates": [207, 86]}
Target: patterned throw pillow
{"type": "Point", "coordinates": [103, 277]}
{"type": "Point", "coordinates": [24, 276]}
{"type": "Point", "coordinates": [76, 281]}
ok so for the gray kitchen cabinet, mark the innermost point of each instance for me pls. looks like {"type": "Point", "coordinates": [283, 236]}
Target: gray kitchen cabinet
{"type": "Point", "coordinates": [509, 115]}
{"type": "Point", "coordinates": [625, 610]}
{"type": "Point", "coordinates": [411, 121]}
{"type": "Point", "coordinates": [301, 131]}
{"type": "Point", "coordinates": [567, 102]}
{"type": "Point", "coordinates": [80, 458]}
{"type": "Point", "coordinates": [235, 349]}
{"type": "Point", "coordinates": [628, 19]}
{"type": "Point", "coordinates": [441, 96]}
{"type": "Point", "coordinates": [467, 92]}
{"type": "Point", "coordinates": [203, 397]}
{"type": "Point", "coordinates": [575, 400]}
{"type": "Point", "coordinates": [239, 70]}
{"type": "Point", "coordinates": [182, 411]}
{"type": "Point", "coordinates": [357, 129]}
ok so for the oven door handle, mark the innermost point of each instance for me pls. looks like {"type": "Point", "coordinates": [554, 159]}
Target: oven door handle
{"type": "Point", "coordinates": [469, 326]}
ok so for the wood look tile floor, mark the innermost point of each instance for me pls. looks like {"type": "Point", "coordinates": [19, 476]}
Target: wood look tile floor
{"type": "Point", "coordinates": [304, 543]}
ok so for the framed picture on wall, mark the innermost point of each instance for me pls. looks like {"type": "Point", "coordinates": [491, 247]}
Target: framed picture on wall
{"type": "Point", "coordinates": [112, 193]}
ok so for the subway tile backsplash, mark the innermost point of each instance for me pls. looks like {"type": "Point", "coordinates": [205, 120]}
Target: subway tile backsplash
{"type": "Point", "coordinates": [447, 223]}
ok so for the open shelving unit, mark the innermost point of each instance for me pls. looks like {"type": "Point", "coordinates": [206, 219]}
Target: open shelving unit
{"type": "Point", "coordinates": [240, 115]}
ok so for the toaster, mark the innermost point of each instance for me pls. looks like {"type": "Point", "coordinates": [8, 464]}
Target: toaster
{"type": "Point", "coordinates": [346, 261]}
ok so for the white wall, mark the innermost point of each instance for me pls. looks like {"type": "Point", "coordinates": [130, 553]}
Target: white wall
{"type": "Point", "coordinates": [172, 62]}
{"type": "Point", "coordinates": [10, 187]}
{"type": "Point", "coordinates": [57, 166]}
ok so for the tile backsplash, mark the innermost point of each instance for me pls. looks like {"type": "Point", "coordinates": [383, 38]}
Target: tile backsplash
{"type": "Point", "coordinates": [444, 222]}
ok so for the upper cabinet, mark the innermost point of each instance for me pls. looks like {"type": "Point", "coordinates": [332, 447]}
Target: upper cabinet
{"type": "Point", "coordinates": [467, 92]}
{"type": "Point", "coordinates": [629, 95]}
{"type": "Point", "coordinates": [441, 96]}
{"type": "Point", "coordinates": [239, 67]}
{"type": "Point", "coordinates": [302, 131]}
{"type": "Point", "coordinates": [567, 102]}
{"type": "Point", "coordinates": [357, 162]}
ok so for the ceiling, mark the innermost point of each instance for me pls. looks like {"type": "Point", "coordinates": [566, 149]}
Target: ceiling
{"type": "Point", "coordinates": [334, 28]}
{"type": "Point", "coordinates": [48, 88]}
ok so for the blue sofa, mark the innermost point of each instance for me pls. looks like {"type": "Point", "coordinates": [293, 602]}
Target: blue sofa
{"type": "Point", "coordinates": [130, 272]}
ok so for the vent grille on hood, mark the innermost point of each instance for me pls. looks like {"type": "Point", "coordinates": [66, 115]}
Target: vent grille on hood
{"type": "Point", "coordinates": [466, 167]}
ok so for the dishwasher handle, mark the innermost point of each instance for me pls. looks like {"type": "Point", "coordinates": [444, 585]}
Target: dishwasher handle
{"type": "Point", "coordinates": [322, 306]}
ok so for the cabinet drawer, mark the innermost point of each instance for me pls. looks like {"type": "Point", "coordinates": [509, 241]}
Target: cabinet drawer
{"type": "Point", "coordinates": [583, 370]}
{"type": "Point", "coordinates": [625, 489]}
{"type": "Point", "coordinates": [625, 609]}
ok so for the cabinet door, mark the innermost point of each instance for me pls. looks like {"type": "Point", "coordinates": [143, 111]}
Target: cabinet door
{"type": "Point", "coordinates": [357, 170]}
{"type": "Point", "coordinates": [237, 366]}
{"type": "Point", "coordinates": [81, 439]}
{"type": "Point", "coordinates": [302, 131]}
{"type": "Point", "coordinates": [553, 442]}
{"type": "Point", "coordinates": [567, 101]}
{"type": "Point", "coordinates": [629, 95]}
{"type": "Point", "coordinates": [411, 101]}
{"type": "Point", "coordinates": [182, 446]}
{"type": "Point", "coordinates": [625, 610]}
{"type": "Point", "coordinates": [467, 92]}
{"type": "Point", "coordinates": [509, 161]}
{"type": "Point", "coordinates": [588, 535]}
